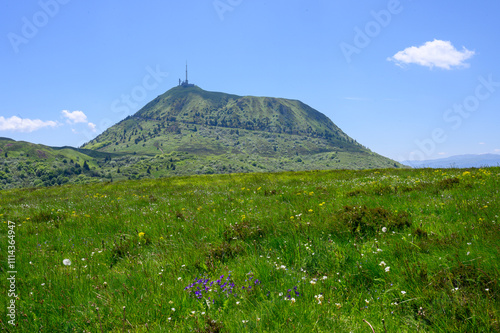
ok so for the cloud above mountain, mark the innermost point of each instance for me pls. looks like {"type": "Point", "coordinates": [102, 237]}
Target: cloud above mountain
{"type": "Point", "coordinates": [76, 117]}
{"type": "Point", "coordinates": [25, 125]}
{"type": "Point", "coordinates": [436, 53]}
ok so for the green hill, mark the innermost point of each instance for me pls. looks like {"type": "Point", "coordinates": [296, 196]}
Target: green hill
{"type": "Point", "coordinates": [188, 131]}
{"type": "Point", "coordinates": [275, 133]}
{"type": "Point", "coordinates": [25, 164]}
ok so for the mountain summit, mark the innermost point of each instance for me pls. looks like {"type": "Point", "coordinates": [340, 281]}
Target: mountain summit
{"type": "Point", "coordinates": [210, 132]}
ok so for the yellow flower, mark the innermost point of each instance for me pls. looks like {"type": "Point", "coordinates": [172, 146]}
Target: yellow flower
{"type": "Point", "coordinates": [310, 210]}
{"type": "Point", "coordinates": [466, 173]}
{"type": "Point", "coordinates": [141, 234]}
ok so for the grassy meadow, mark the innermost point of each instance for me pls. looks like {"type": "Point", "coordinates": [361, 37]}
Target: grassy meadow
{"type": "Point", "coordinates": [317, 251]}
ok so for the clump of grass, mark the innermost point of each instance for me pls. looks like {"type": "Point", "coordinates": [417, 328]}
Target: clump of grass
{"type": "Point", "coordinates": [245, 230]}
{"type": "Point", "coordinates": [364, 220]}
{"type": "Point", "coordinates": [221, 253]}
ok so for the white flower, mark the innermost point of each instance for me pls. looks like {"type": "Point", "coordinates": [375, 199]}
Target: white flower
{"type": "Point", "coordinates": [367, 301]}
{"type": "Point", "coordinates": [173, 309]}
{"type": "Point", "coordinates": [403, 292]}
{"type": "Point", "coordinates": [238, 303]}
{"type": "Point", "coordinates": [292, 300]}
{"type": "Point", "coordinates": [193, 312]}
{"type": "Point", "coordinates": [387, 268]}
{"type": "Point", "coordinates": [325, 277]}
{"type": "Point", "coordinates": [244, 321]}
{"type": "Point", "coordinates": [382, 264]}
{"type": "Point", "coordinates": [313, 282]}
{"type": "Point", "coordinates": [384, 229]}
{"type": "Point", "coordinates": [169, 318]}
{"type": "Point", "coordinates": [179, 278]}
{"type": "Point", "coordinates": [43, 284]}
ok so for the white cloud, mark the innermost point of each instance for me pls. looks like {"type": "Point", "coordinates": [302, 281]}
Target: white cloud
{"type": "Point", "coordinates": [438, 53]}
{"type": "Point", "coordinates": [482, 143]}
{"type": "Point", "coordinates": [17, 124]}
{"type": "Point", "coordinates": [92, 126]}
{"type": "Point", "coordinates": [497, 150]}
{"type": "Point", "coordinates": [74, 117]}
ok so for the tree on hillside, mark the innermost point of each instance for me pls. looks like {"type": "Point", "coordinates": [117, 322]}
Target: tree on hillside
{"type": "Point", "coordinates": [86, 166]}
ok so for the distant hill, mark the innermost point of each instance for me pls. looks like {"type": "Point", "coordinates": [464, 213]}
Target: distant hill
{"type": "Point", "coordinates": [187, 131]}
{"type": "Point", "coordinates": [458, 161]}
{"type": "Point", "coordinates": [25, 164]}
{"type": "Point", "coordinates": [218, 132]}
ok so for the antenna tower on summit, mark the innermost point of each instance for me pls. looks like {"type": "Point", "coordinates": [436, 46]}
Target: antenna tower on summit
{"type": "Point", "coordinates": [186, 83]}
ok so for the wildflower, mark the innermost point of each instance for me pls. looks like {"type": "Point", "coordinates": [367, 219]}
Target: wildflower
{"type": "Point", "coordinates": [67, 262]}
{"type": "Point", "coordinates": [244, 321]}
{"type": "Point", "coordinates": [383, 264]}
{"type": "Point", "coordinates": [238, 303]}
{"type": "Point", "coordinates": [387, 269]}
{"type": "Point", "coordinates": [292, 300]}
{"type": "Point", "coordinates": [173, 309]}
{"type": "Point", "coordinates": [325, 277]}
{"type": "Point", "coordinates": [384, 229]}
{"type": "Point", "coordinates": [43, 284]}
{"type": "Point", "coordinates": [179, 278]}
{"type": "Point", "coordinates": [403, 292]}
{"type": "Point", "coordinates": [338, 305]}
{"type": "Point", "coordinates": [367, 301]}
{"type": "Point", "coordinates": [313, 282]}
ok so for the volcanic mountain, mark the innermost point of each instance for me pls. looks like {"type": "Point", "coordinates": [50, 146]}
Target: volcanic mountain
{"type": "Point", "coordinates": [211, 132]}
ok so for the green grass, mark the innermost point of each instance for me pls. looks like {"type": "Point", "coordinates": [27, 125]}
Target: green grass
{"type": "Point", "coordinates": [417, 248]}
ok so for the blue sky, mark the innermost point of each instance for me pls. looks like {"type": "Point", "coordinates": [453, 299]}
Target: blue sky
{"type": "Point", "coordinates": [410, 79]}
